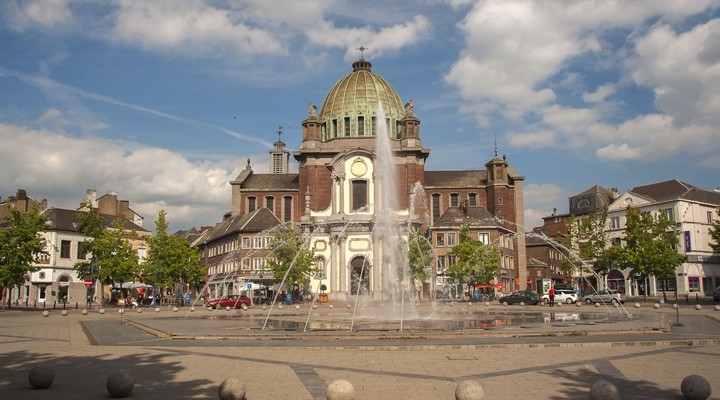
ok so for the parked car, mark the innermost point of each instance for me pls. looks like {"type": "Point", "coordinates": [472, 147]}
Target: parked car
{"type": "Point", "coordinates": [604, 296]}
{"type": "Point", "coordinates": [562, 295]}
{"type": "Point", "coordinates": [520, 297]}
{"type": "Point", "coordinates": [716, 294]}
{"type": "Point", "coordinates": [232, 301]}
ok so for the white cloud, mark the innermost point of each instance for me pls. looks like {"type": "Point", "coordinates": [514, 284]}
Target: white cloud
{"type": "Point", "coordinates": [192, 27]}
{"type": "Point", "coordinates": [61, 168]}
{"type": "Point", "coordinates": [600, 94]}
{"type": "Point", "coordinates": [541, 200]}
{"type": "Point", "coordinates": [534, 139]}
{"type": "Point", "coordinates": [22, 15]}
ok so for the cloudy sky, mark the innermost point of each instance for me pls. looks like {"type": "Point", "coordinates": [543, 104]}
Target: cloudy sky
{"type": "Point", "coordinates": [163, 101]}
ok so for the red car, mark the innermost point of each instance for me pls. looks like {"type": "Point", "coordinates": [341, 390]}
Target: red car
{"type": "Point", "coordinates": [232, 301]}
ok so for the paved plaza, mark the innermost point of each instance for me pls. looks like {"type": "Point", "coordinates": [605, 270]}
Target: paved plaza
{"type": "Point", "coordinates": [533, 353]}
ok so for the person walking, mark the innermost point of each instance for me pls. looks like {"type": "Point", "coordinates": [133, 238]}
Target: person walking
{"type": "Point", "coordinates": [551, 295]}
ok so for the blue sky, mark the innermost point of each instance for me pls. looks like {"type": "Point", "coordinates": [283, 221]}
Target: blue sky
{"type": "Point", "coordinates": [163, 101]}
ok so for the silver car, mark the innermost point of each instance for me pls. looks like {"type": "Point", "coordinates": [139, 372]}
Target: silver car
{"type": "Point", "coordinates": [604, 296]}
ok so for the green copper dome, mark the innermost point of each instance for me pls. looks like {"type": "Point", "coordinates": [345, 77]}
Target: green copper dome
{"type": "Point", "coordinates": [350, 107]}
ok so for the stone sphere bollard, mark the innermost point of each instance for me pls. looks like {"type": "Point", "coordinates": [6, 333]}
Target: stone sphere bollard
{"type": "Point", "coordinates": [192, 309]}
{"type": "Point", "coordinates": [210, 308]}
{"type": "Point", "coordinates": [522, 303]}
{"type": "Point", "coordinates": [244, 306]}
{"type": "Point", "coordinates": [504, 303]}
{"type": "Point", "coordinates": [675, 306]}
{"type": "Point", "coordinates": [101, 311]}
{"type": "Point", "coordinates": [698, 307]}
{"type": "Point", "coordinates": [120, 384]}
{"type": "Point", "coordinates": [227, 308]}
{"type": "Point", "coordinates": [469, 304]}
{"type": "Point", "coordinates": [331, 306]}
{"type": "Point", "coordinates": [657, 305]}
{"type": "Point", "coordinates": [695, 387]}
{"type": "Point", "coordinates": [578, 303]}
{"type": "Point", "coordinates": [637, 305]}
{"type": "Point", "coordinates": [157, 309]}
{"type": "Point", "coordinates": [469, 390]}
{"type": "Point", "coordinates": [264, 307]}
{"type": "Point", "coordinates": [340, 389]}
{"type": "Point", "coordinates": [349, 306]}
{"type": "Point", "coordinates": [64, 313]}
{"type": "Point", "coordinates": [84, 312]}
{"type": "Point", "coordinates": [314, 305]}
{"type": "Point", "coordinates": [487, 303]}
{"type": "Point", "coordinates": [46, 313]}
{"type": "Point", "coordinates": [41, 377]}
{"type": "Point", "coordinates": [717, 308]}
{"type": "Point", "coordinates": [604, 390]}
{"type": "Point", "coordinates": [175, 309]}
{"type": "Point", "coordinates": [597, 305]}
{"type": "Point", "coordinates": [558, 305]}
{"type": "Point", "coordinates": [139, 311]}
{"type": "Point", "coordinates": [297, 306]}
{"type": "Point", "coordinates": [232, 389]}
{"type": "Point", "coordinates": [280, 307]}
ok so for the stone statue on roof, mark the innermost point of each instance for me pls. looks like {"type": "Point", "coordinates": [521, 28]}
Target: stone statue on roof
{"type": "Point", "coordinates": [312, 110]}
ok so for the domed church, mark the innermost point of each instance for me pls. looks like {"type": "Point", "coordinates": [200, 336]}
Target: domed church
{"type": "Point", "coordinates": [337, 193]}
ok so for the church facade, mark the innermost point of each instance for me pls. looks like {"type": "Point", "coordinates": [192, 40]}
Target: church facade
{"type": "Point", "coordinates": [342, 187]}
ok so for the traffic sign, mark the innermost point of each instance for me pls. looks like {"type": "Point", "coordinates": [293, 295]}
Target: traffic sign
{"type": "Point", "coordinates": [88, 282]}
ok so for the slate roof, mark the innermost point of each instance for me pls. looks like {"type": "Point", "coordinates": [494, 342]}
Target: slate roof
{"type": "Point", "coordinates": [676, 190]}
{"type": "Point", "coordinates": [256, 221]}
{"type": "Point", "coordinates": [455, 179]}
{"type": "Point", "coordinates": [475, 217]}
{"type": "Point", "coordinates": [272, 182]}
{"type": "Point", "coordinates": [64, 220]}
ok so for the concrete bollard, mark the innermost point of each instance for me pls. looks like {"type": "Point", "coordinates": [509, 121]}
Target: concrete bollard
{"type": "Point", "coordinates": [717, 308]}
{"type": "Point", "coordinates": [698, 307]}
{"type": "Point", "coordinates": [597, 305]}
{"type": "Point", "coordinates": [604, 390]}
{"type": "Point", "coordinates": [695, 387]}
{"type": "Point", "coordinates": [192, 309]}
{"type": "Point", "coordinates": [469, 390]}
{"type": "Point", "coordinates": [558, 305]}
{"type": "Point", "coordinates": [297, 306]}
{"type": "Point", "coordinates": [157, 309]}
{"type": "Point", "coordinates": [487, 303]}
{"type": "Point", "coordinates": [120, 384]}
{"type": "Point", "coordinates": [578, 304]}
{"type": "Point", "coordinates": [331, 306]}
{"type": "Point", "coordinates": [232, 389]}
{"type": "Point", "coordinates": [280, 307]}
{"type": "Point", "coordinates": [46, 313]}
{"type": "Point", "coordinates": [139, 311]}
{"type": "Point", "coordinates": [244, 306]}
{"type": "Point", "coordinates": [340, 389]}
{"type": "Point", "coordinates": [314, 306]}
{"type": "Point", "coordinates": [637, 305]}
{"type": "Point", "coordinates": [84, 312]}
{"type": "Point", "coordinates": [41, 377]}
{"type": "Point", "coordinates": [504, 303]}
{"type": "Point", "coordinates": [64, 313]}
{"type": "Point", "coordinates": [101, 311]}
{"type": "Point", "coordinates": [657, 305]}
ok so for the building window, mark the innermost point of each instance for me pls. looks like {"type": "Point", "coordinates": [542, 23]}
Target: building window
{"type": "Point", "coordinates": [435, 206]}
{"type": "Point", "coordinates": [614, 222]}
{"type": "Point", "coordinates": [669, 214]}
{"type": "Point", "coordinates": [584, 203]}
{"type": "Point", "coordinates": [252, 203]}
{"type": "Point", "coordinates": [258, 242]}
{"type": "Point", "coordinates": [81, 254]}
{"type": "Point", "coordinates": [287, 214]}
{"type": "Point", "coordinates": [65, 249]}
{"type": "Point", "coordinates": [710, 217]}
{"type": "Point", "coordinates": [472, 199]}
{"type": "Point", "coordinates": [484, 237]}
{"type": "Point", "coordinates": [347, 126]}
{"type": "Point", "coordinates": [374, 126]}
{"type": "Point", "coordinates": [246, 242]}
{"type": "Point", "coordinates": [440, 239]}
{"type": "Point", "coordinates": [359, 194]}
{"type": "Point", "coordinates": [258, 264]}
{"type": "Point", "coordinates": [454, 200]}
{"type": "Point", "coordinates": [361, 126]}
{"type": "Point", "coordinates": [451, 260]}
{"type": "Point", "coordinates": [499, 201]}
{"type": "Point", "coordinates": [270, 203]}
{"type": "Point", "coordinates": [245, 264]}
{"type": "Point", "coordinates": [451, 239]}
{"type": "Point", "coordinates": [334, 128]}
{"type": "Point", "coordinates": [441, 264]}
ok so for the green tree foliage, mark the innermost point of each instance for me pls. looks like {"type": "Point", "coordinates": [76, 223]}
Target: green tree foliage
{"type": "Point", "coordinates": [90, 224]}
{"type": "Point", "coordinates": [419, 255]}
{"type": "Point", "coordinates": [589, 240]}
{"type": "Point", "coordinates": [651, 243]}
{"type": "Point", "coordinates": [170, 259]}
{"type": "Point", "coordinates": [292, 257]}
{"type": "Point", "coordinates": [21, 244]}
{"type": "Point", "coordinates": [475, 261]}
{"type": "Point", "coordinates": [715, 231]}
{"type": "Point", "coordinates": [115, 259]}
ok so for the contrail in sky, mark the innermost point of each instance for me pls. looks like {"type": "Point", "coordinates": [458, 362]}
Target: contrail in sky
{"type": "Point", "coordinates": [41, 82]}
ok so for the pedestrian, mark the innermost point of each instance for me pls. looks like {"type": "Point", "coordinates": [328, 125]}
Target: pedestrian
{"type": "Point", "coordinates": [551, 295]}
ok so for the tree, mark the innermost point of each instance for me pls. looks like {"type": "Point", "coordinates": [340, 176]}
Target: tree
{"type": "Point", "coordinates": [715, 231]}
{"type": "Point", "coordinates": [589, 238]}
{"type": "Point", "coordinates": [170, 259]}
{"type": "Point", "coordinates": [651, 243]}
{"type": "Point", "coordinates": [113, 258]}
{"type": "Point", "coordinates": [20, 246]}
{"type": "Point", "coordinates": [419, 255]}
{"type": "Point", "coordinates": [475, 261]}
{"type": "Point", "coordinates": [293, 260]}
